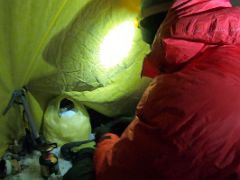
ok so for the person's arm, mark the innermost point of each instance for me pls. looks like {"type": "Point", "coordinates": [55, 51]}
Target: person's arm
{"type": "Point", "coordinates": [103, 151]}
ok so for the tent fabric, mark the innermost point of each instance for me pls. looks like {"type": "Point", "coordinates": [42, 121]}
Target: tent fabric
{"type": "Point", "coordinates": [25, 28]}
{"type": "Point", "coordinates": [52, 47]}
{"type": "Point", "coordinates": [187, 123]}
{"type": "Point", "coordinates": [75, 53]}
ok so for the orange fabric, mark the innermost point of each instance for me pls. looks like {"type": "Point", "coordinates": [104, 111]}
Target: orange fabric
{"type": "Point", "coordinates": [103, 151]}
{"type": "Point", "coordinates": [187, 124]}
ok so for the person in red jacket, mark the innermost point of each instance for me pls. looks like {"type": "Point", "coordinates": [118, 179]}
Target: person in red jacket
{"type": "Point", "coordinates": [187, 124]}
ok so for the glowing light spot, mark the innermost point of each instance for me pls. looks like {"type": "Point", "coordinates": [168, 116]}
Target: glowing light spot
{"type": "Point", "coordinates": [117, 44]}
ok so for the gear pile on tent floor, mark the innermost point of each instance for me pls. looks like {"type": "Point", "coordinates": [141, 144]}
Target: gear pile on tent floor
{"type": "Point", "coordinates": [59, 51]}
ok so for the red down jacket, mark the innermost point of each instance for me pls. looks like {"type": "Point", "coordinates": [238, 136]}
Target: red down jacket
{"type": "Point", "coordinates": [187, 125]}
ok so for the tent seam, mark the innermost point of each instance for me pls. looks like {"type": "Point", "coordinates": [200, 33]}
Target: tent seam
{"type": "Point", "coordinates": [43, 41]}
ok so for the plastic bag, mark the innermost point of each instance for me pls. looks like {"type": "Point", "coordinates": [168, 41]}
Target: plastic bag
{"type": "Point", "coordinates": [66, 121]}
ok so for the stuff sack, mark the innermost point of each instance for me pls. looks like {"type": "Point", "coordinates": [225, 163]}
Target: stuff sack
{"type": "Point", "coordinates": [66, 121]}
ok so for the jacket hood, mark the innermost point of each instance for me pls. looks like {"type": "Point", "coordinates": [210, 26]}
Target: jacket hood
{"type": "Point", "coordinates": [185, 34]}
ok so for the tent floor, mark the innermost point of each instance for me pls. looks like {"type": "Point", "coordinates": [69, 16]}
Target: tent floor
{"type": "Point", "coordinates": [31, 170]}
